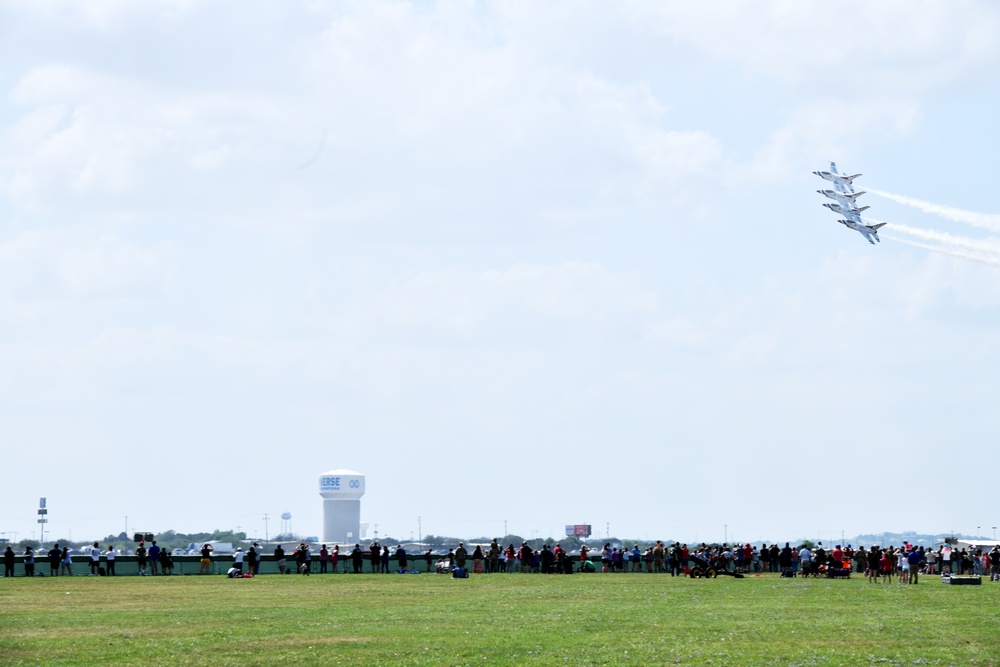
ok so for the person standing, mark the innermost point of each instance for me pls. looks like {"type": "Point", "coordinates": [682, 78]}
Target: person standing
{"type": "Point", "coordinates": [66, 562]}
{"type": "Point", "coordinates": [260, 557]}
{"type": "Point", "coordinates": [8, 562]}
{"type": "Point", "coordinates": [385, 559]}
{"type": "Point", "coordinates": [109, 558]}
{"type": "Point", "coordinates": [206, 559]}
{"type": "Point", "coordinates": [375, 556]}
{"type": "Point", "coordinates": [357, 558]}
{"type": "Point", "coordinates": [53, 555]}
{"type": "Point", "coordinates": [524, 555]}
{"type": "Point", "coordinates": [805, 561]}
{"type": "Point", "coordinates": [324, 559]}
{"type": "Point", "coordinates": [477, 560]}
{"type": "Point", "coordinates": [237, 559]}
{"type": "Point", "coordinates": [252, 560]}
{"type": "Point", "coordinates": [334, 558]}
{"type": "Point", "coordinates": [494, 556]}
{"type": "Point", "coordinates": [931, 557]}
{"type": "Point", "coordinates": [154, 557]}
{"type": "Point", "coordinates": [166, 562]}
{"type": "Point", "coordinates": [428, 558]}
{"type": "Point", "coordinates": [401, 557]}
{"type": "Point", "coordinates": [279, 556]}
{"type": "Point", "coordinates": [140, 559]}
{"type": "Point", "coordinates": [657, 557]}
{"type": "Point", "coordinates": [461, 555]}
{"type": "Point", "coordinates": [29, 562]}
{"type": "Point", "coordinates": [95, 559]}
{"type": "Point", "coordinates": [913, 560]}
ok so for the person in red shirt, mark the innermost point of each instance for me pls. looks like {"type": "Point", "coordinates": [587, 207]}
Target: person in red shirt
{"type": "Point", "coordinates": [886, 566]}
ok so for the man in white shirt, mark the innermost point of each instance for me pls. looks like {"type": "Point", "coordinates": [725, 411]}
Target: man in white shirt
{"type": "Point", "coordinates": [95, 559]}
{"type": "Point", "coordinates": [109, 555]}
{"type": "Point", "coordinates": [238, 559]}
{"type": "Point", "coordinates": [805, 560]}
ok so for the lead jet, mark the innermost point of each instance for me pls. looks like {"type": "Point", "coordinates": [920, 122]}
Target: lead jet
{"type": "Point", "coordinates": [868, 231]}
{"type": "Point", "coordinates": [844, 199]}
{"type": "Point", "coordinates": [842, 182]}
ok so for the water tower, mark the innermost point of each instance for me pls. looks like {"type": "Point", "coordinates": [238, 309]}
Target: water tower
{"type": "Point", "coordinates": [341, 491]}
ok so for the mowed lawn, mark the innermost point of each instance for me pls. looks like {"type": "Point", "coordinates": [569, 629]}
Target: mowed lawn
{"type": "Point", "coordinates": [499, 619]}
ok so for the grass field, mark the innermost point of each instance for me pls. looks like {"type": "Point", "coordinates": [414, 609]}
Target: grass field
{"type": "Point", "coordinates": [494, 620]}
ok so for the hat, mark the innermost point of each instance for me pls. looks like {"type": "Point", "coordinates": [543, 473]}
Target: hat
{"type": "Point", "coordinates": [239, 548]}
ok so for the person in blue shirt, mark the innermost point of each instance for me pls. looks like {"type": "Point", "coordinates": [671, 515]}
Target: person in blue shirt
{"type": "Point", "coordinates": [913, 560]}
{"type": "Point", "coordinates": [154, 557]}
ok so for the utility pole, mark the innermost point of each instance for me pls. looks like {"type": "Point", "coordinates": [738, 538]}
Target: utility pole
{"type": "Point", "coordinates": [420, 531]}
{"type": "Point", "coordinates": [42, 520]}
{"type": "Point", "coordinates": [266, 537]}
{"type": "Point", "coordinates": [725, 533]}
{"type": "Point", "coordinates": [505, 533]}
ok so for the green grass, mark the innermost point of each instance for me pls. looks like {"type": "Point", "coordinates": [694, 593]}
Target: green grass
{"type": "Point", "coordinates": [496, 619]}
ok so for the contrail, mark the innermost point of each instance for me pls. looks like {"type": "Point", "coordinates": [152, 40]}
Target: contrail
{"type": "Point", "coordinates": [945, 251]}
{"type": "Point", "coordinates": [981, 220]}
{"type": "Point", "coordinates": [961, 242]}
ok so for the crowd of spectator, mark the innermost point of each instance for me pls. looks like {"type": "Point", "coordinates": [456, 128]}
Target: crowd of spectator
{"type": "Point", "coordinates": [903, 563]}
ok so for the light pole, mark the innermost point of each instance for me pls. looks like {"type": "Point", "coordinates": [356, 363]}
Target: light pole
{"type": "Point", "coordinates": [725, 533]}
{"type": "Point", "coordinates": [994, 533]}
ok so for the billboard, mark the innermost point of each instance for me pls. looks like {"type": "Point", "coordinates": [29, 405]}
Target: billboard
{"type": "Point", "coordinates": [578, 530]}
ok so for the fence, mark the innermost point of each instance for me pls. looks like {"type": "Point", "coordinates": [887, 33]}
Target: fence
{"type": "Point", "coordinates": [188, 565]}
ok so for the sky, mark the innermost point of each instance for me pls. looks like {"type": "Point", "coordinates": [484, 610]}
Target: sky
{"type": "Point", "coordinates": [521, 264]}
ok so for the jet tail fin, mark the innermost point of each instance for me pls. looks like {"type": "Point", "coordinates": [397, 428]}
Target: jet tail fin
{"type": "Point", "coordinates": [863, 208]}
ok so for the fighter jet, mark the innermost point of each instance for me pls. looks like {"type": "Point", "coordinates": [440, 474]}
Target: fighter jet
{"type": "Point", "coordinates": [841, 182]}
{"type": "Point", "coordinates": [868, 231]}
{"type": "Point", "coordinates": [846, 200]}
{"type": "Point", "coordinates": [847, 212]}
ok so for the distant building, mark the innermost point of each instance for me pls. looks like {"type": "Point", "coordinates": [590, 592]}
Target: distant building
{"type": "Point", "coordinates": [341, 490]}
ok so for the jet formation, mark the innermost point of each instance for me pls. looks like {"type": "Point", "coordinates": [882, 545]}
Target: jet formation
{"type": "Point", "coordinates": [845, 203]}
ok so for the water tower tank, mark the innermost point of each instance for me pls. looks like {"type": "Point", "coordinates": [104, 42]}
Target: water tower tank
{"type": "Point", "coordinates": [341, 491]}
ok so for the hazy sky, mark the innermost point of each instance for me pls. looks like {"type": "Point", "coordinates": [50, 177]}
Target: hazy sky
{"type": "Point", "coordinates": [522, 262]}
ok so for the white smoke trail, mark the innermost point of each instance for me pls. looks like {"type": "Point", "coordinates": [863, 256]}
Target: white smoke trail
{"type": "Point", "coordinates": [987, 221]}
{"type": "Point", "coordinates": [960, 242]}
{"type": "Point", "coordinates": [991, 261]}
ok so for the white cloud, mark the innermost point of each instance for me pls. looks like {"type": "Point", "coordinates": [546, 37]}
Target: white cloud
{"type": "Point", "coordinates": [54, 265]}
{"type": "Point", "coordinates": [454, 302]}
{"type": "Point", "coordinates": [864, 46]}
